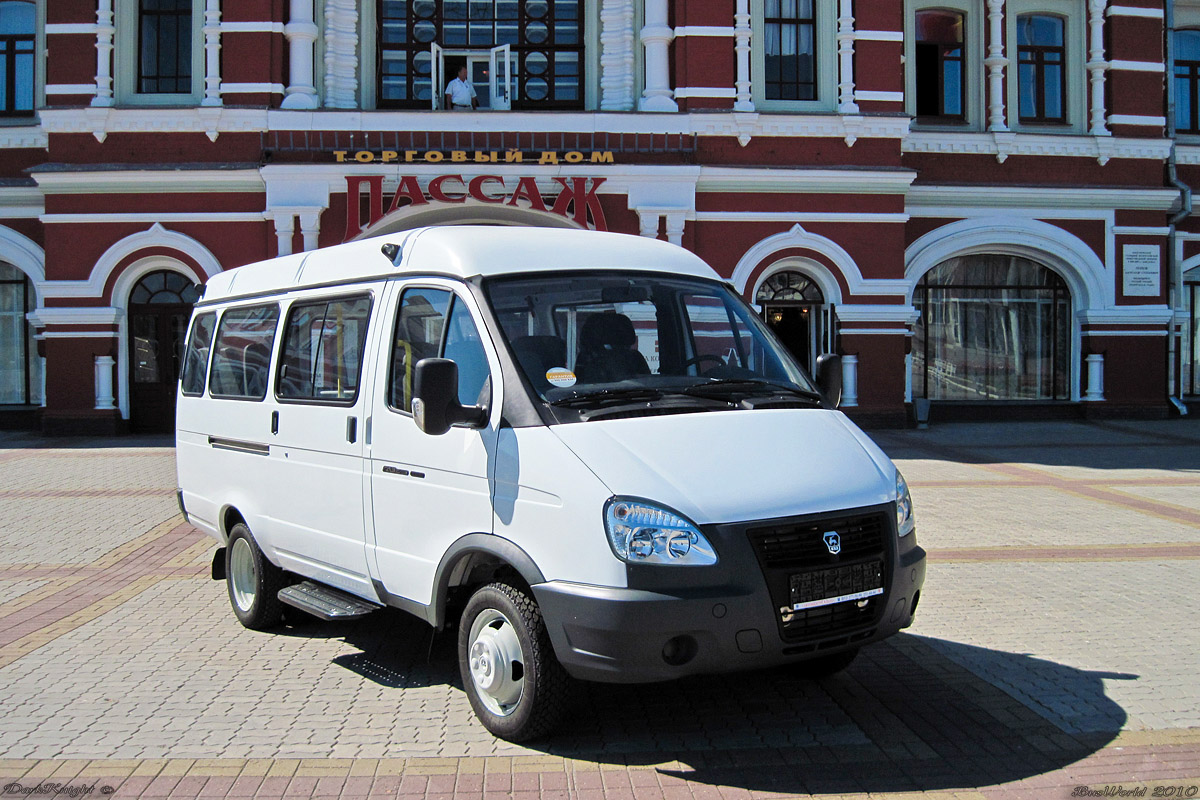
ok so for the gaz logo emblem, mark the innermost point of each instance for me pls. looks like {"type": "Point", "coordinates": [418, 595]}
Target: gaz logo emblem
{"type": "Point", "coordinates": [833, 542]}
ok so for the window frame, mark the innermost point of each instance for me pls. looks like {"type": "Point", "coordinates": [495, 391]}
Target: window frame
{"type": "Point", "coordinates": [28, 341]}
{"type": "Point", "coordinates": [1074, 65]}
{"type": "Point", "coordinates": [272, 350]}
{"type": "Point", "coordinates": [36, 90]}
{"type": "Point", "coordinates": [127, 55]}
{"type": "Point", "coordinates": [1193, 26]}
{"type": "Point", "coordinates": [973, 70]}
{"type": "Point", "coordinates": [277, 375]}
{"type": "Point", "coordinates": [188, 348]}
{"type": "Point", "coordinates": [826, 61]}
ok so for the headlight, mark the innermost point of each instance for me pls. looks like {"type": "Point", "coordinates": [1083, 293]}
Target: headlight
{"type": "Point", "coordinates": [905, 521]}
{"type": "Point", "coordinates": [641, 533]}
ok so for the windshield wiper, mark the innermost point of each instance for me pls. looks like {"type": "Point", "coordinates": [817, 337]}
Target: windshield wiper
{"type": "Point", "coordinates": [722, 387]}
{"type": "Point", "coordinates": [606, 396]}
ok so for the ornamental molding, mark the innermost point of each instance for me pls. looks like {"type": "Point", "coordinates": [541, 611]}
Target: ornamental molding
{"type": "Point", "coordinates": [26, 255]}
{"type": "Point", "coordinates": [849, 128]}
{"type": "Point", "coordinates": [341, 53]}
{"type": "Point", "coordinates": [1187, 154]}
{"type": "Point", "coordinates": [1127, 315]}
{"type": "Point", "coordinates": [141, 181]}
{"type": "Point", "coordinates": [31, 137]}
{"type": "Point", "coordinates": [616, 55]}
{"type": "Point", "coordinates": [1037, 200]}
{"type": "Point", "coordinates": [100, 121]}
{"type": "Point", "coordinates": [1005, 144]}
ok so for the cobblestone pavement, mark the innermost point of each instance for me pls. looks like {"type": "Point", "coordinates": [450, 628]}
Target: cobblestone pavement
{"type": "Point", "coordinates": [1055, 647]}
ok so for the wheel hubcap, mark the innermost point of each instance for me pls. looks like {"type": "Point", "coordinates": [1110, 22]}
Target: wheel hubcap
{"type": "Point", "coordinates": [241, 574]}
{"type": "Point", "coordinates": [496, 662]}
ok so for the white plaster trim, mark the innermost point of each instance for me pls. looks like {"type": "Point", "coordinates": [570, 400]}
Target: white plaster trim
{"type": "Point", "coordinates": [1003, 144]}
{"type": "Point", "coordinates": [617, 57]}
{"type": "Point", "coordinates": [1137, 66]}
{"type": "Point", "coordinates": [879, 97]}
{"type": "Point", "coordinates": [93, 315]}
{"type": "Point", "coordinates": [155, 236]}
{"type": "Point", "coordinates": [251, 27]}
{"type": "Point", "coordinates": [806, 181]}
{"type": "Point", "coordinates": [706, 91]}
{"type": "Point", "coordinates": [873, 331]}
{"type": "Point", "coordinates": [1125, 333]}
{"type": "Point", "coordinates": [809, 268]}
{"type": "Point", "coordinates": [1135, 230]}
{"type": "Point", "coordinates": [151, 180]}
{"type": "Point", "coordinates": [101, 121]}
{"type": "Point", "coordinates": [930, 200]}
{"type": "Point", "coordinates": [251, 88]}
{"type": "Point", "coordinates": [150, 216]}
{"type": "Point", "coordinates": [1130, 11]}
{"type": "Point", "coordinates": [1187, 154]}
{"type": "Point", "coordinates": [796, 216]}
{"type": "Point", "coordinates": [341, 53]}
{"type": "Point", "coordinates": [26, 255]}
{"type": "Point", "coordinates": [70, 88]}
{"type": "Point", "coordinates": [1137, 119]}
{"type": "Point", "coordinates": [1127, 315]}
{"type": "Point", "coordinates": [25, 137]}
{"type": "Point", "coordinates": [71, 27]}
{"type": "Point", "coordinates": [80, 335]}
{"type": "Point", "coordinates": [879, 36]}
{"type": "Point", "coordinates": [703, 30]}
{"type": "Point", "coordinates": [897, 314]}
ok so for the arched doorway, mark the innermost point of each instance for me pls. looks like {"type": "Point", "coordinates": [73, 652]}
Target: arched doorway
{"type": "Point", "coordinates": [793, 306]}
{"type": "Point", "coordinates": [20, 366]}
{"type": "Point", "coordinates": [159, 307]}
{"type": "Point", "coordinates": [992, 327]}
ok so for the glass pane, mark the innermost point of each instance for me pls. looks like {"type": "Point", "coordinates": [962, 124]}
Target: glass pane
{"type": "Point", "coordinates": [195, 362]}
{"type": "Point", "coordinates": [939, 27]}
{"type": "Point", "coordinates": [242, 359]}
{"type": "Point", "coordinates": [952, 88]}
{"type": "Point", "coordinates": [12, 341]}
{"type": "Point", "coordinates": [1187, 45]}
{"type": "Point", "coordinates": [17, 18]}
{"type": "Point", "coordinates": [1053, 88]}
{"type": "Point", "coordinates": [418, 335]}
{"type": "Point", "coordinates": [464, 348]}
{"type": "Point", "coordinates": [338, 366]}
{"type": "Point", "coordinates": [1025, 87]}
{"type": "Point", "coordinates": [144, 332]}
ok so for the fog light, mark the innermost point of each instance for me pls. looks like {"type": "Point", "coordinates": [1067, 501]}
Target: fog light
{"type": "Point", "coordinates": [679, 650]}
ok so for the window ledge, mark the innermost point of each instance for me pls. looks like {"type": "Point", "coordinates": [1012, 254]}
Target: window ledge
{"type": "Point", "coordinates": [1003, 144]}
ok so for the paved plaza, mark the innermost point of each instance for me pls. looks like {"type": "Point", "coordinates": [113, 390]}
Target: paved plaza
{"type": "Point", "coordinates": [1057, 646]}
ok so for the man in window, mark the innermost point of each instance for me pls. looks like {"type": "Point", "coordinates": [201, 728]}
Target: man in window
{"type": "Point", "coordinates": [460, 94]}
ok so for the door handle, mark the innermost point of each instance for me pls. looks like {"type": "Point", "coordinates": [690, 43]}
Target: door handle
{"type": "Point", "coordinates": [275, 422]}
{"type": "Point", "coordinates": [351, 429]}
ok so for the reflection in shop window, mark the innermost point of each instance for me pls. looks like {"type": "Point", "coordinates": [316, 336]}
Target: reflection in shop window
{"type": "Point", "coordinates": [20, 366]}
{"type": "Point", "coordinates": [992, 327]}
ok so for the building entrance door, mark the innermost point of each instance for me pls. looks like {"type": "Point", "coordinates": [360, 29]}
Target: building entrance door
{"type": "Point", "coordinates": [794, 309]}
{"type": "Point", "coordinates": [159, 308]}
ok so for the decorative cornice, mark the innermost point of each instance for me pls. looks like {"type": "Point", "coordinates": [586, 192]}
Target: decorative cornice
{"type": "Point", "coordinates": [805, 181]}
{"type": "Point", "coordinates": [26, 136]}
{"type": "Point", "coordinates": [1003, 144]}
{"type": "Point", "coordinates": [1020, 197]}
{"type": "Point", "coordinates": [102, 121]}
{"type": "Point", "coordinates": [141, 181]}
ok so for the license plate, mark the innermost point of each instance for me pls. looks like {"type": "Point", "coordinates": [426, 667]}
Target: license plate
{"type": "Point", "coordinates": [826, 587]}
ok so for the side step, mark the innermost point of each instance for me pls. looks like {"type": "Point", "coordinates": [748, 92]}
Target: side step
{"type": "Point", "coordinates": [324, 602]}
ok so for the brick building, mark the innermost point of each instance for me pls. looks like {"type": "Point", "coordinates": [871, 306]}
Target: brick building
{"type": "Point", "coordinates": [982, 203]}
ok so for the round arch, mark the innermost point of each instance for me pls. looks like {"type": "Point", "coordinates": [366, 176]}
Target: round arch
{"type": "Point", "coordinates": [815, 271]}
{"type": "Point", "coordinates": [465, 213]}
{"type": "Point", "coordinates": [798, 238]}
{"type": "Point", "coordinates": [27, 256]}
{"type": "Point", "coordinates": [156, 237]}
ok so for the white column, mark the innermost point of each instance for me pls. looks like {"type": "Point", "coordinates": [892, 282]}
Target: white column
{"type": "Point", "coordinates": [845, 37]}
{"type": "Point", "coordinates": [741, 46]}
{"type": "Point", "coordinates": [301, 32]}
{"type": "Point", "coordinates": [649, 223]}
{"type": "Point", "coordinates": [104, 383]}
{"type": "Point", "coordinates": [616, 55]}
{"type": "Point", "coordinates": [341, 53]}
{"type": "Point", "coordinates": [285, 225]}
{"type": "Point", "coordinates": [675, 222]}
{"type": "Point", "coordinates": [104, 49]}
{"type": "Point", "coordinates": [996, 62]}
{"type": "Point", "coordinates": [656, 36]}
{"type": "Point", "coordinates": [1095, 378]}
{"type": "Point", "coordinates": [1097, 66]}
{"type": "Point", "coordinates": [849, 382]}
{"type": "Point", "coordinates": [212, 53]}
{"type": "Point", "coordinates": [310, 228]}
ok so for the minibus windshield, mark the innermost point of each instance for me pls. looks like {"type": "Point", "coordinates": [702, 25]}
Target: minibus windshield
{"type": "Point", "coordinates": [642, 337]}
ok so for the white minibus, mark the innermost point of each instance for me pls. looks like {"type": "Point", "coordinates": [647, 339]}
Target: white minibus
{"type": "Point", "coordinates": [583, 449]}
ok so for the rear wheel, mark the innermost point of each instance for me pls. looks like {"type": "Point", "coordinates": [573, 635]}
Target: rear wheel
{"type": "Point", "coordinates": [515, 684]}
{"type": "Point", "coordinates": [254, 582]}
{"type": "Point", "coordinates": [826, 666]}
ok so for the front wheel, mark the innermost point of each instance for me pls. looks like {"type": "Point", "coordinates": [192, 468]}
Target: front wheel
{"type": "Point", "coordinates": [516, 686]}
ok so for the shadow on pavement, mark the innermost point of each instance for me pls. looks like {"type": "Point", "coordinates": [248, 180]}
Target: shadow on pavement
{"type": "Point", "coordinates": [31, 440]}
{"type": "Point", "coordinates": [913, 713]}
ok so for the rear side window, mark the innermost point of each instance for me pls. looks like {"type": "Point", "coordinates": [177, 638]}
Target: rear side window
{"type": "Point", "coordinates": [242, 361]}
{"type": "Point", "coordinates": [195, 360]}
{"type": "Point", "coordinates": [418, 335]}
{"type": "Point", "coordinates": [323, 350]}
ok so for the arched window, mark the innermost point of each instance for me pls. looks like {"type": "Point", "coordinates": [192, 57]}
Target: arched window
{"type": "Point", "coordinates": [1187, 81]}
{"type": "Point", "coordinates": [789, 286]}
{"type": "Point", "coordinates": [992, 327]}
{"type": "Point", "coordinates": [18, 22]}
{"type": "Point", "coordinates": [164, 288]}
{"type": "Point", "coordinates": [20, 366]}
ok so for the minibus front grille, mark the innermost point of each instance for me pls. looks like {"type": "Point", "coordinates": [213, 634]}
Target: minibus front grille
{"type": "Point", "coordinates": [810, 547]}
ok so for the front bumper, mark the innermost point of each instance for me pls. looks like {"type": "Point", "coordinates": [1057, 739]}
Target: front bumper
{"type": "Point", "coordinates": [646, 633]}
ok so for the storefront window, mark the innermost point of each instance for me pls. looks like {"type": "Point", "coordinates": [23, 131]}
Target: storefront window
{"type": "Point", "coordinates": [423, 44]}
{"type": "Point", "coordinates": [20, 366]}
{"type": "Point", "coordinates": [992, 327]}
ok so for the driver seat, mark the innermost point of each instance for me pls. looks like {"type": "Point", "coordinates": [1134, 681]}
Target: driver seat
{"type": "Point", "coordinates": [606, 350]}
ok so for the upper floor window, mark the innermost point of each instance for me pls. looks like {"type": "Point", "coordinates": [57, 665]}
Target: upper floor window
{"type": "Point", "coordinates": [790, 50]}
{"type": "Point", "coordinates": [522, 54]}
{"type": "Point", "coordinates": [1187, 81]}
{"type": "Point", "coordinates": [164, 46]}
{"type": "Point", "coordinates": [941, 89]}
{"type": "Point", "coordinates": [18, 29]}
{"type": "Point", "coordinates": [1041, 68]}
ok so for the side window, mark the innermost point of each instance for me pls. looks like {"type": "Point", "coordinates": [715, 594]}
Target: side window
{"type": "Point", "coordinates": [323, 350]}
{"type": "Point", "coordinates": [418, 335]}
{"type": "Point", "coordinates": [464, 347]}
{"type": "Point", "coordinates": [242, 361]}
{"type": "Point", "coordinates": [195, 361]}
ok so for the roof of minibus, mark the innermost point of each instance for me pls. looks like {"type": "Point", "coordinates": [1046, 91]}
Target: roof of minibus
{"type": "Point", "coordinates": [458, 251]}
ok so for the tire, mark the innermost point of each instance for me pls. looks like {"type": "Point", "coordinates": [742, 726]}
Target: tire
{"type": "Point", "coordinates": [253, 581]}
{"type": "Point", "coordinates": [826, 666]}
{"type": "Point", "coordinates": [515, 684]}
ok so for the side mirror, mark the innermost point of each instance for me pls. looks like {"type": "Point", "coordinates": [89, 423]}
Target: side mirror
{"type": "Point", "coordinates": [829, 379]}
{"type": "Point", "coordinates": [435, 405]}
